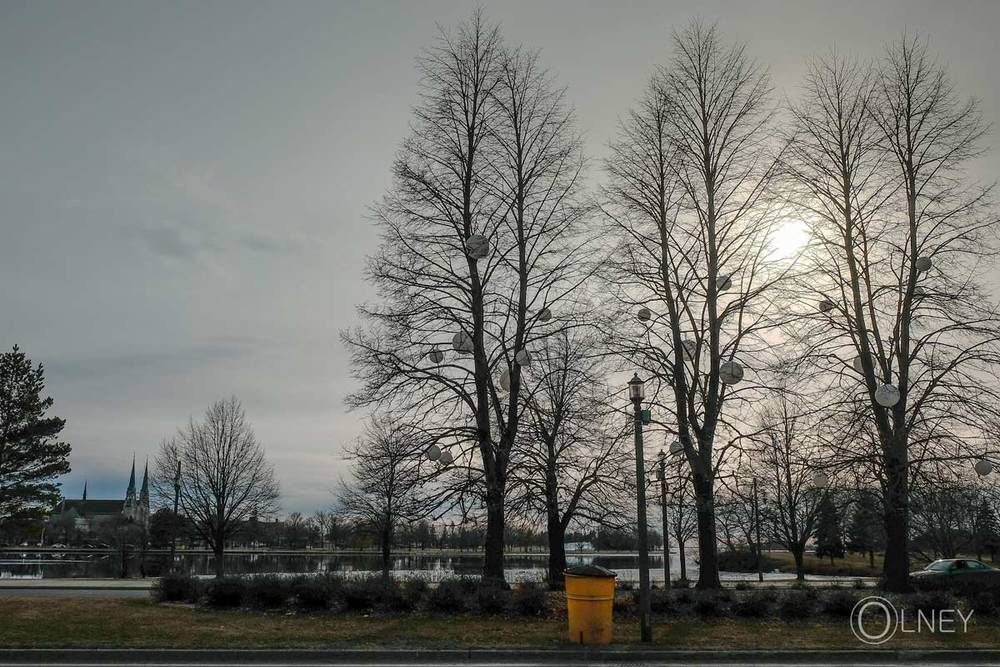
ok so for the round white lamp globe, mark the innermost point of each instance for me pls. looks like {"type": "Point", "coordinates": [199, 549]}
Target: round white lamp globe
{"type": "Point", "coordinates": [462, 342]}
{"type": "Point", "coordinates": [477, 246]}
{"type": "Point", "coordinates": [857, 365]}
{"type": "Point", "coordinates": [730, 372]}
{"type": "Point", "coordinates": [887, 395]}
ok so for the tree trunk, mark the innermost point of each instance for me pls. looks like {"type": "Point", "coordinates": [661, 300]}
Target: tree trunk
{"type": "Point", "coordinates": [871, 559]}
{"type": "Point", "coordinates": [493, 572]}
{"type": "Point", "coordinates": [896, 569]}
{"type": "Point", "coordinates": [386, 540]}
{"type": "Point", "coordinates": [683, 558]}
{"type": "Point", "coordinates": [557, 556]}
{"type": "Point", "coordinates": [800, 567]}
{"type": "Point", "coordinates": [219, 551]}
{"type": "Point", "coordinates": [708, 548]}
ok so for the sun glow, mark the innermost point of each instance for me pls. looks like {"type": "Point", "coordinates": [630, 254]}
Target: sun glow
{"type": "Point", "coordinates": [790, 238]}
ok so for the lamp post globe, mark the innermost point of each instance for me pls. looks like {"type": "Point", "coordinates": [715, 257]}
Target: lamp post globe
{"type": "Point", "coordinates": [636, 389]}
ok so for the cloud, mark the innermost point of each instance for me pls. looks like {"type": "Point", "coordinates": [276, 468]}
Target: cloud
{"type": "Point", "coordinates": [190, 241]}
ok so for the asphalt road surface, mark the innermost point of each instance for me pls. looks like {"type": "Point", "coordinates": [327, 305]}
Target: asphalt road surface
{"type": "Point", "coordinates": [8, 592]}
{"type": "Point", "coordinates": [572, 663]}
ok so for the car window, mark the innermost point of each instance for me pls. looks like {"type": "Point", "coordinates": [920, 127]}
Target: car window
{"type": "Point", "coordinates": [939, 566]}
{"type": "Point", "coordinates": [976, 565]}
{"type": "Point", "coordinates": [960, 565]}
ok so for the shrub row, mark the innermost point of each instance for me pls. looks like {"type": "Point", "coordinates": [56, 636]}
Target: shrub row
{"type": "Point", "coordinates": [323, 592]}
{"type": "Point", "coordinates": [790, 604]}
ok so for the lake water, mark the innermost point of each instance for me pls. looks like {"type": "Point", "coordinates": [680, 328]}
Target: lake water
{"type": "Point", "coordinates": [430, 566]}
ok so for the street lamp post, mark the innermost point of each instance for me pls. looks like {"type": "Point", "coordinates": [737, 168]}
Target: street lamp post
{"type": "Point", "coordinates": [636, 393]}
{"type": "Point", "coordinates": [663, 511]}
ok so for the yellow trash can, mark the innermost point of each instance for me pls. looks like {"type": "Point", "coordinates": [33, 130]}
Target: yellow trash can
{"type": "Point", "coordinates": [590, 599]}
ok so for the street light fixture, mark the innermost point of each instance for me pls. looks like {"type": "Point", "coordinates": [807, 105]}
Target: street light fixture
{"type": "Point", "coordinates": [636, 392]}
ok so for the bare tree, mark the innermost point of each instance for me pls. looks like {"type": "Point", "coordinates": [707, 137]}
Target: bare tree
{"type": "Point", "coordinates": [682, 514]}
{"type": "Point", "coordinates": [943, 519]}
{"type": "Point", "coordinates": [905, 334]}
{"type": "Point", "coordinates": [324, 521]}
{"type": "Point", "coordinates": [570, 463]}
{"type": "Point", "coordinates": [785, 462]}
{"type": "Point", "coordinates": [479, 254]}
{"type": "Point", "coordinates": [224, 478]}
{"type": "Point", "coordinates": [688, 194]}
{"type": "Point", "coordinates": [385, 488]}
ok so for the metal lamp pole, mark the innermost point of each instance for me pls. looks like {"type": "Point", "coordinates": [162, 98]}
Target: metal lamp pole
{"type": "Point", "coordinates": [663, 511]}
{"type": "Point", "coordinates": [636, 393]}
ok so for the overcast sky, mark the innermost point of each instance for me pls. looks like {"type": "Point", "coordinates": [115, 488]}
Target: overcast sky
{"type": "Point", "coordinates": [184, 186]}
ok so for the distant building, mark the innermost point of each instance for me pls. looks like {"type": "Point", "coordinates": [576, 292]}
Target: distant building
{"type": "Point", "coordinates": [90, 515]}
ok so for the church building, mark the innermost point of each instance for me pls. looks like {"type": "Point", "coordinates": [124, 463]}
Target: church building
{"type": "Point", "coordinates": [91, 514]}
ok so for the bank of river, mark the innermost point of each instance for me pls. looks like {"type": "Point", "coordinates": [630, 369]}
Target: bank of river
{"type": "Point", "coordinates": [426, 565]}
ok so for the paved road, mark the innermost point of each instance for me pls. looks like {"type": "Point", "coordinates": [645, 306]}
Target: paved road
{"type": "Point", "coordinates": [838, 663]}
{"type": "Point", "coordinates": [75, 592]}
{"type": "Point", "coordinates": [481, 658]}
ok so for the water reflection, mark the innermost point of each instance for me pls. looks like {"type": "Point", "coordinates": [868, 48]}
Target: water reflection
{"type": "Point", "coordinates": [431, 566]}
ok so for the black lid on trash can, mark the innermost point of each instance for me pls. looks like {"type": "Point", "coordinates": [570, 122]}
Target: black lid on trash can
{"type": "Point", "coordinates": [589, 571]}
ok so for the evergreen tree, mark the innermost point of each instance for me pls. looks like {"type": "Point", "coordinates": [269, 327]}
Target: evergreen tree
{"type": "Point", "coordinates": [31, 456]}
{"type": "Point", "coordinates": [865, 533]}
{"type": "Point", "coordinates": [828, 531]}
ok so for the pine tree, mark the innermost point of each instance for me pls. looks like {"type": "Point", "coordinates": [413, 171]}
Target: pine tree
{"type": "Point", "coordinates": [865, 533]}
{"type": "Point", "coordinates": [828, 531]}
{"type": "Point", "coordinates": [31, 456]}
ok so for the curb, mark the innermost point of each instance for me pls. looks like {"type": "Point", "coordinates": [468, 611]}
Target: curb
{"type": "Point", "coordinates": [437, 657]}
{"type": "Point", "coordinates": [69, 587]}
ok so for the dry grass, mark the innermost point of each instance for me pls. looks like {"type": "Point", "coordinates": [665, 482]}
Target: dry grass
{"type": "Point", "coordinates": [61, 622]}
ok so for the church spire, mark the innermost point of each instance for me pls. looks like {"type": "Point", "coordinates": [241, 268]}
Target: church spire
{"type": "Point", "coordinates": [144, 493]}
{"type": "Point", "coordinates": [130, 499]}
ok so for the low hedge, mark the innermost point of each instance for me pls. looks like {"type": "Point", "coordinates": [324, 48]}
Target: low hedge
{"type": "Point", "coordinates": [177, 587]}
{"type": "Point", "coordinates": [461, 595]}
{"type": "Point", "coordinates": [267, 592]}
{"type": "Point", "coordinates": [225, 592]}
